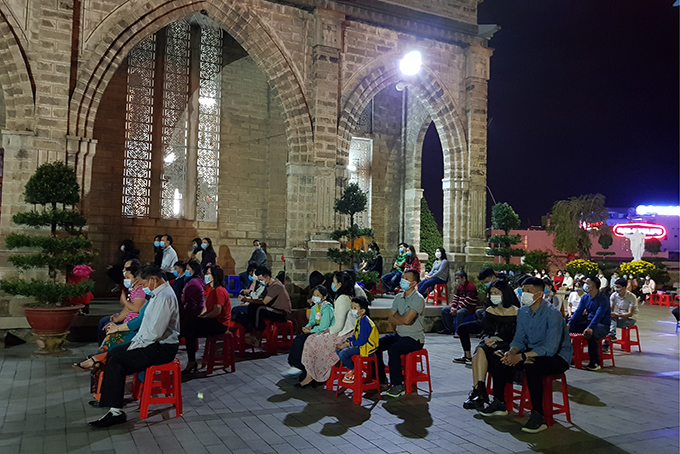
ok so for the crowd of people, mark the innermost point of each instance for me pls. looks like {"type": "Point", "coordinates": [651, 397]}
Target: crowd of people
{"type": "Point", "coordinates": [523, 324]}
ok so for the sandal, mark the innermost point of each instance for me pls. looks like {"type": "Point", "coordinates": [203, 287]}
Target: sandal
{"type": "Point", "coordinates": [77, 366]}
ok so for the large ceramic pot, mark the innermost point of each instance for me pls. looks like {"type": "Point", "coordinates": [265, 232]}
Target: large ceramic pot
{"type": "Point", "coordinates": [52, 320]}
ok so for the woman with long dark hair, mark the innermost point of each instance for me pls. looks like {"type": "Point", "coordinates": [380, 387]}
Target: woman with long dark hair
{"type": "Point", "coordinates": [209, 256]}
{"type": "Point", "coordinates": [439, 274]}
{"type": "Point", "coordinates": [193, 296]}
{"type": "Point", "coordinates": [126, 253]}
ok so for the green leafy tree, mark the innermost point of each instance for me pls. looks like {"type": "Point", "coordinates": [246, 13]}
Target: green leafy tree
{"type": "Point", "coordinates": [431, 237]}
{"type": "Point", "coordinates": [568, 221]}
{"type": "Point", "coordinates": [537, 260]}
{"type": "Point", "coordinates": [653, 246]}
{"type": "Point", "coordinates": [353, 201]}
{"type": "Point", "coordinates": [52, 185]}
{"type": "Point", "coordinates": [605, 240]}
{"type": "Point", "coordinates": [504, 218]}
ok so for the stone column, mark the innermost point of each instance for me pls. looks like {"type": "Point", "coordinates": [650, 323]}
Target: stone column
{"type": "Point", "coordinates": [412, 198]}
{"type": "Point", "coordinates": [21, 160]}
{"type": "Point", "coordinates": [80, 153]}
{"type": "Point", "coordinates": [455, 216]}
{"type": "Point", "coordinates": [476, 77]}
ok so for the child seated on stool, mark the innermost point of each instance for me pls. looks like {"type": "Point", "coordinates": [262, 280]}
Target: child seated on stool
{"type": "Point", "coordinates": [363, 342]}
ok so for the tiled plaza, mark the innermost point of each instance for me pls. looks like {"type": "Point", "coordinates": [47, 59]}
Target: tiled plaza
{"type": "Point", "coordinates": [631, 408]}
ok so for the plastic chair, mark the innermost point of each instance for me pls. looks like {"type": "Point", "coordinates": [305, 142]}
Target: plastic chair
{"type": "Point", "coordinates": [365, 377]}
{"type": "Point", "coordinates": [375, 290]}
{"type": "Point", "coordinates": [162, 380]}
{"type": "Point", "coordinates": [511, 394]}
{"type": "Point", "coordinates": [233, 284]}
{"type": "Point", "coordinates": [439, 293]}
{"type": "Point", "coordinates": [578, 341]}
{"type": "Point", "coordinates": [272, 332]}
{"type": "Point", "coordinates": [625, 342]}
{"type": "Point", "coordinates": [239, 333]}
{"type": "Point", "coordinates": [417, 370]}
{"type": "Point", "coordinates": [225, 358]}
{"type": "Point", "coordinates": [550, 408]}
{"type": "Point", "coordinates": [609, 354]}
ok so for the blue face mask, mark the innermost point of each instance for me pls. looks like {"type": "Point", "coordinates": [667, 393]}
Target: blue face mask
{"type": "Point", "coordinates": [519, 292]}
{"type": "Point", "coordinates": [148, 291]}
{"type": "Point", "coordinates": [585, 288]}
{"type": "Point", "coordinates": [546, 291]}
{"type": "Point", "coordinates": [488, 285]}
{"type": "Point", "coordinates": [157, 244]}
{"type": "Point", "coordinates": [408, 253]}
{"type": "Point", "coordinates": [262, 282]}
{"type": "Point", "coordinates": [401, 250]}
{"type": "Point", "coordinates": [204, 246]}
{"type": "Point", "coordinates": [176, 273]}
{"type": "Point", "coordinates": [334, 288]}
{"type": "Point", "coordinates": [187, 273]}
{"type": "Point", "coordinates": [207, 279]}
{"type": "Point", "coordinates": [250, 277]}
{"type": "Point", "coordinates": [161, 244]}
{"type": "Point", "coordinates": [404, 284]}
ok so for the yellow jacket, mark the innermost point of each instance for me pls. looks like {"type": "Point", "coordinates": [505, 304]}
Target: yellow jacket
{"type": "Point", "coordinates": [366, 336]}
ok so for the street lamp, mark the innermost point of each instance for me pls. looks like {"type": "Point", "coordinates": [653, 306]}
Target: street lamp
{"type": "Point", "coordinates": [411, 63]}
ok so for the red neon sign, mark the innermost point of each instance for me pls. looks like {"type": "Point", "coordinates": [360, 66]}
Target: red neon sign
{"type": "Point", "coordinates": [650, 230]}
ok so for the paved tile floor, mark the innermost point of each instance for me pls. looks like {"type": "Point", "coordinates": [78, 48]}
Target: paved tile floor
{"type": "Point", "coordinates": [631, 408]}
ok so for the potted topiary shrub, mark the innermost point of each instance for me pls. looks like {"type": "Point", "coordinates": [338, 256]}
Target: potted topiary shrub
{"type": "Point", "coordinates": [54, 191]}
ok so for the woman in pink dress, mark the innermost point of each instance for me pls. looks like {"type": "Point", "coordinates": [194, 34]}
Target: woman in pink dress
{"type": "Point", "coordinates": [319, 354]}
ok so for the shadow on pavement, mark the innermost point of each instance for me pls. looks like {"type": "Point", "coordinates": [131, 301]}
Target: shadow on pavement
{"type": "Point", "coordinates": [414, 409]}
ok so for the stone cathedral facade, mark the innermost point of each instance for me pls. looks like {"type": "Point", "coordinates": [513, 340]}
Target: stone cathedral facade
{"type": "Point", "coordinates": [242, 120]}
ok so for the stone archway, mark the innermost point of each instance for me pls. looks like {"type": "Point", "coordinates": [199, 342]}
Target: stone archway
{"type": "Point", "coordinates": [442, 110]}
{"type": "Point", "coordinates": [16, 77]}
{"type": "Point", "coordinates": [110, 43]}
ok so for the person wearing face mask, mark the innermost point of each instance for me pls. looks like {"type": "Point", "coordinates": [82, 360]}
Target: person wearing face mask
{"type": "Point", "coordinates": [568, 282]}
{"type": "Point", "coordinates": [192, 301]}
{"type": "Point", "coordinates": [209, 257]}
{"type": "Point", "coordinates": [574, 298]}
{"type": "Point", "coordinates": [648, 288]}
{"type": "Point", "coordinates": [319, 355]}
{"type": "Point", "coordinates": [180, 281]}
{"type": "Point", "coordinates": [624, 308]}
{"type": "Point", "coordinates": [592, 318]}
{"type": "Point", "coordinates": [257, 258]}
{"type": "Point", "coordinates": [407, 316]}
{"type": "Point", "coordinates": [321, 318]}
{"type": "Point", "coordinates": [613, 279]}
{"type": "Point", "coordinates": [558, 279]}
{"type": "Point", "coordinates": [363, 342]}
{"type": "Point", "coordinates": [412, 261]}
{"type": "Point", "coordinates": [541, 346]}
{"type": "Point", "coordinates": [196, 252]}
{"type": "Point", "coordinates": [155, 343]}
{"type": "Point", "coordinates": [169, 257]}
{"type": "Point", "coordinates": [498, 329]}
{"type": "Point", "coordinates": [463, 303]}
{"type": "Point", "coordinates": [157, 250]}
{"type": "Point", "coordinates": [274, 305]}
{"type": "Point", "coordinates": [126, 252]}
{"type": "Point", "coordinates": [550, 295]}
{"type": "Point", "coordinates": [391, 280]}
{"type": "Point", "coordinates": [439, 274]}
{"type": "Point", "coordinates": [130, 303]}
{"type": "Point", "coordinates": [212, 321]}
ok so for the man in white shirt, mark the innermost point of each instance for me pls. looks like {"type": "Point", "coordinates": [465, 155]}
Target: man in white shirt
{"type": "Point", "coordinates": [624, 308]}
{"type": "Point", "coordinates": [169, 257]}
{"type": "Point", "coordinates": [604, 283]}
{"type": "Point", "coordinates": [648, 287]}
{"type": "Point", "coordinates": [155, 343]}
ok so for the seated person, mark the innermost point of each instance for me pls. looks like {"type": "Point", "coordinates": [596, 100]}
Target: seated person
{"type": "Point", "coordinates": [209, 256]}
{"type": "Point", "coordinates": [574, 298]}
{"type": "Point", "coordinates": [438, 275]}
{"type": "Point", "coordinates": [624, 308]}
{"type": "Point", "coordinates": [247, 295]}
{"type": "Point", "coordinates": [407, 316]}
{"type": "Point", "coordinates": [498, 329]}
{"type": "Point", "coordinates": [363, 342]}
{"type": "Point", "coordinates": [541, 346]}
{"type": "Point", "coordinates": [274, 305]}
{"type": "Point", "coordinates": [181, 277]}
{"type": "Point", "coordinates": [213, 320]}
{"type": "Point", "coordinates": [375, 265]}
{"type": "Point", "coordinates": [593, 319]}
{"type": "Point", "coordinates": [258, 258]}
{"type": "Point", "coordinates": [132, 299]}
{"type": "Point", "coordinates": [193, 295]}
{"type": "Point", "coordinates": [463, 303]}
{"type": "Point", "coordinates": [391, 280]}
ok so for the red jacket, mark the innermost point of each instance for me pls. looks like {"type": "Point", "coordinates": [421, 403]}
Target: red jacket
{"type": "Point", "coordinates": [465, 297]}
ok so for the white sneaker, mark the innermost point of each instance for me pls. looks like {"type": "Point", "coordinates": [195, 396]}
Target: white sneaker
{"type": "Point", "coordinates": [292, 372]}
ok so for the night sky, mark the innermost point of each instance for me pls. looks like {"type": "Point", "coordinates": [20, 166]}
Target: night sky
{"type": "Point", "coordinates": [583, 98]}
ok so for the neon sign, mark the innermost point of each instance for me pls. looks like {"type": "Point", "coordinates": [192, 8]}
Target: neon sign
{"type": "Point", "coordinates": [650, 230]}
{"type": "Point", "coordinates": [658, 210]}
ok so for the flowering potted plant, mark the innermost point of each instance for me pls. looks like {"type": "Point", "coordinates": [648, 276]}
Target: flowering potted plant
{"type": "Point", "coordinates": [53, 184]}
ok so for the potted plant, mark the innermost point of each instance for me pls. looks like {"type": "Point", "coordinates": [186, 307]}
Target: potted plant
{"type": "Point", "coordinates": [53, 190]}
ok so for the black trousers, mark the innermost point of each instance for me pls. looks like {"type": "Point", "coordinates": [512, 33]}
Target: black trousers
{"type": "Point", "coordinates": [122, 362]}
{"type": "Point", "coordinates": [534, 373]}
{"type": "Point", "coordinates": [295, 354]}
{"type": "Point", "coordinates": [465, 330]}
{"type": "Point", "coordinates": [395, 345]}
{"type": "Point", "coordinates": [200, 327]}
{"type": "Point", "coordinates": [258, 313]}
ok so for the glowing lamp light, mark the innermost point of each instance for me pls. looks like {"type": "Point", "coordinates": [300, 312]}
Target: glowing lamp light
{"type": "Point", "coordinates": [411, 63]}
{"type": "Point", "coordinates": [661, 211]}
{"type": "Point", "coordinates": [650, 230]}
{"type": "Point", "coordinates": [352, 168]}
{"type": "Point", "coordinates": [207, 102]}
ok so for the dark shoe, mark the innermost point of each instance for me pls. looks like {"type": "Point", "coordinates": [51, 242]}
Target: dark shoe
{"type": "Point", "coordinates": [535, 424]}
{"type": "Point", "coordinates": [444, 331]}
{"type": "Point", "coordinates": [84, 311]}
{"type": "Point", "coordinates": [190, 368]}
{"type": "Point", "coordinates": [593, 366]}
{"type": "Point", "coordinates": [495, 408]}
{"type": "Point", "coordinates": [109, 420]}
{"type": "Point", "coordinates": [311, 384]}
{"type": "Point", "coordinates": [463, 360]}
{"type": "Point", "coordinates": [396, 391]}
{"type": "Point", "coordinates": [456, 336]}
{"type": "Point", "coordinates": [94, 403]}
{"type": "Point", "coordinates": [475, 401]}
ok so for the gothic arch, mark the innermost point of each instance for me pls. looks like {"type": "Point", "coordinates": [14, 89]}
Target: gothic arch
{"type": "Point", "coordinates": [111, 42]}
{"type": "Point", "coordinates": [15, 78]}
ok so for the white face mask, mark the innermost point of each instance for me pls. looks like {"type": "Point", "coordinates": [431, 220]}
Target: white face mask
{"type": "Point", "coordinates": [122, 248]}
{"type": "Point", "coordinates": [316, 299]}
{"type": "Point", "coordinates": [496, 299]}
{"type": "Point", "coordinates": [438, 254]}
{"type": "Point", "coordinates": [208, 279]}
{"type": "Point", "coordinates": [127, 283]}
{"type": "Point", "coordinates": [354, 313]}
{"type": "Point", "coordinates": [527, 299]}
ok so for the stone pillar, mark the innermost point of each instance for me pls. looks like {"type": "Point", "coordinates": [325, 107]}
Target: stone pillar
{"type": "Point", "coordinates": [476, 77]}
{"type": "Point", "coordinates": [20, 163]}
{"type": "Point", "coordinates": [412, 198]}
{"type": "Point", "coordinates": [455, 216]}
{"type": "Point", "coordinates": [80, 153]}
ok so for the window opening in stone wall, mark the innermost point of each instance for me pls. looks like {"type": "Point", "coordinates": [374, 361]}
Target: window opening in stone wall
{"type": "Point", "coordinates": [174, 119]}
{"type": "Point", "coordinates": [138, 123]}
{"type": "Point", "coordinates": [359, 165]}
{"type": "Point", "coordinates": [365, 124]}
{"type": "Point", "coordinates": [208, 163]}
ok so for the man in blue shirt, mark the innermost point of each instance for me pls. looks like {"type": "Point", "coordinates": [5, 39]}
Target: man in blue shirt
{"type": "Point", "coordinates": [541, 346]}
{"type": "Point", "coordinates": [592, 318]}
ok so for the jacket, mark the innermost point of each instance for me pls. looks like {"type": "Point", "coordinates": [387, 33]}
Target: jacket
{"type": "Point", "coordinates": [366, 336]}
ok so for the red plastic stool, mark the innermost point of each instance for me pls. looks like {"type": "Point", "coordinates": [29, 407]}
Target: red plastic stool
{"type": "Point", "coordinates": [511, 394]}
{"type": "Point", "coordinates": [239, 333]}
{"type": "Point", "coordinates": [365, 377]}
{"type": "Point", "coordinates": [609, 354]}
{"type": "Point", "coordinates": [625, 342]}
{"type": "Point", "coordinates": [272, 332]}
{"type": "Point", "coordinates": [654, 298]}
{"type": "Point", "coordinates": [579, 343]}
{"type": "Point", "coordinates": [439, 293]}
{"type": "Point", "coordinates": [164, 379]}
{"type": "Point", "coordinates": [375, 289]}
{"type": "Point", "coordinates": [417, 370]}
{"type": "Point", "coordinates": [226, 356]}
{"type": "Point", "coordinates": [550, 408]}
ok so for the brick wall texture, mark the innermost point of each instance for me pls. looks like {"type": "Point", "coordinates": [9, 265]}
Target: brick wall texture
{"type": "Point", "coordinates": [291, 102]}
